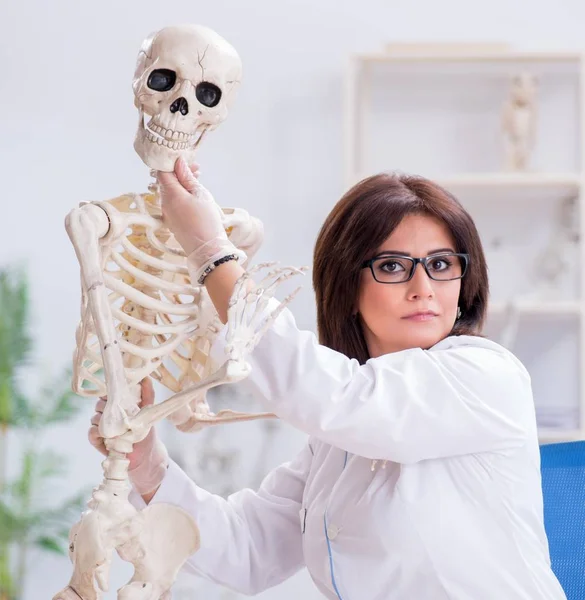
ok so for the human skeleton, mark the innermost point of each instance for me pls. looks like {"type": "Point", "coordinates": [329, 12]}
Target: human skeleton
{"type": "Point", "coordinates": [141, 315]}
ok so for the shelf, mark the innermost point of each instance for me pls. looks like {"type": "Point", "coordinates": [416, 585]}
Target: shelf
{"type": "Point", "coordinates": [398, 56]}
{"type": "Point", "coordinates": [559, 182]}
{"type": "Point", "coordinates": [467, 63]}
{"type": "Point", "coordinates": [551, 436]}
{"type": "Point", "coordinates": [520, 184]}
{"type": "Point", "coordinates": [544, 308]}
{"type": "Point", "coordinates": [519, 210]}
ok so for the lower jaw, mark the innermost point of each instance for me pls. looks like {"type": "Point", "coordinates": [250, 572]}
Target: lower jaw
{"type": "Point", "coordinates": [159, 157]}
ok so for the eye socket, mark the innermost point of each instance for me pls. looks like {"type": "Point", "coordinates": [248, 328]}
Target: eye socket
{"type": "Point", "coordinates": [161, 80]}
{"type": "Point", "coordinates": [208, 94]}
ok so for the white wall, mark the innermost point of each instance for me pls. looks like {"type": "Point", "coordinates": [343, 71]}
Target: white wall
{"type": "Point", "coordinates": [67, 125]}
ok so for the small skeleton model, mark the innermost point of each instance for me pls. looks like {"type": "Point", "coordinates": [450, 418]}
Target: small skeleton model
{"type": "Point", "coordinates": [550, 270]}
{"type": "Point", "coordinates": [553, 264]}
{"type": "Point", "coordinates": [519, 121]}
{"type": "Point", "coordinates": [141, 315]}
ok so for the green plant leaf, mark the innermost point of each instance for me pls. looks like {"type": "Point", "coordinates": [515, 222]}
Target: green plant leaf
{"type": "Point", "coordinates": [22, 411]}
{"type": "Point", "coordinates": [12, 526]}
{"type": "Point", "coordinates": [15, 343]}
{"type": "Point", "coordinates": [47, 464]}
{"type": "Point", "coordinates": [23, 485]}
{"type": "Point", "coordinates": [65, 404]}
{"type": "Point", "coordinates": [65, 513]}
{"type": "Point", "coordinates": [5, 404]}
{"type": "Point", "coordinates": [7, 587]}
{"type": "Point", "coordinates": [55, 403]}
{"type": "Point", "coordinates": [50, 544]}
{"type": "Point", "coordinates": [25, 518]}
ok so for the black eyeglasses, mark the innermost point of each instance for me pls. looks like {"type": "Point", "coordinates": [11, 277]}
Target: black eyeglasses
{"type": "Point", "coordinates": [394, 268]}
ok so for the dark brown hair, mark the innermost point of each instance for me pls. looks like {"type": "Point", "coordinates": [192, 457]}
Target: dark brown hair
{"type": "Point", "coordinates": [354, 230]}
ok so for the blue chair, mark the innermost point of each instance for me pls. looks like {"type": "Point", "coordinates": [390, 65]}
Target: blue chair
{"type": "Point", "coordinates": [563, 486]}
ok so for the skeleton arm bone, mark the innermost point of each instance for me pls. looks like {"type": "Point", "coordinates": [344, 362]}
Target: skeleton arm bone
{"type": "Point", "coordinates": [245, 232]}
{"type": "Point", "coordinates": [85, 226]}
{"type": "Point", "coordinates": [140, 424]}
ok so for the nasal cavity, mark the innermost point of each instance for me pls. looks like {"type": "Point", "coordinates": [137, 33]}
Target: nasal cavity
{"type": "Point", "coordinates": [180, 104]}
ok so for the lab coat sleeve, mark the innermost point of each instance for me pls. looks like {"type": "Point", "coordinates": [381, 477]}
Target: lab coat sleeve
{"type": "Point", "coordinates": [465, 395]}
{"type": "Point", "coordinates": [250, 541]}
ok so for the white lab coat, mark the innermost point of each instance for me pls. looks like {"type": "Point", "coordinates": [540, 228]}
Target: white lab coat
{"type": "Point", "coordinates": [455, 514]}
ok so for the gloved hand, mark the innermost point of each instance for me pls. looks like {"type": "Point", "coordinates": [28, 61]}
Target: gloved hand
{"type": "Point", "coordinates": [193, 216]}
{"type": "Point", "coordinates": [149, 458]}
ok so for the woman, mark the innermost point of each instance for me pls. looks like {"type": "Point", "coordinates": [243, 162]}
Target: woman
{"type": "Point", "coordinates": [420, 479]}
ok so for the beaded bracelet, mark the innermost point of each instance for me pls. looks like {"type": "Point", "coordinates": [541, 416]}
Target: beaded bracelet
{"type": "Point", "coordinates": [212, 266]}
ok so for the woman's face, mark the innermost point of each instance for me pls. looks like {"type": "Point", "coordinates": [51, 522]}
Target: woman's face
{"type": "Point", "coordinates": [416, 313]}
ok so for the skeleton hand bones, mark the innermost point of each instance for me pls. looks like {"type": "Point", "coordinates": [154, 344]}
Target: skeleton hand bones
{"type": "Point", "coordinates": [248, 320]}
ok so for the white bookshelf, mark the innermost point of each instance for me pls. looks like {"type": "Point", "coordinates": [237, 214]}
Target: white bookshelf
{"type": "Point", "coordinates": [491, 53]}
{"type": "Point", "coordinates": [556, 183]}
{"type": "Point", "coordinates": [515, 185]}
{"type": "Point", "coordinates": [531, 308]}
{"type": "Point", "coordinates": [505, 193]}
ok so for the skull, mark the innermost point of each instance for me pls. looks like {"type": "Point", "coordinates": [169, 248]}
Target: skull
{"type": "Point", "coordinates": [185, 80]}
{"type": "Point", "coordinates": [524, 88]}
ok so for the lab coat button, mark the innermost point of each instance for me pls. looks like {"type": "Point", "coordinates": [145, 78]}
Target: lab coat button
{"type": "Point", "coordinates": [332, 531]}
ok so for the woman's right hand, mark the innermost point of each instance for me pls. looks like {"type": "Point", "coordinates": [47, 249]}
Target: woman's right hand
{"type": "Point", "coordinates": [149, 457]}
{"type": "Point", "coordinates": [190, 211]}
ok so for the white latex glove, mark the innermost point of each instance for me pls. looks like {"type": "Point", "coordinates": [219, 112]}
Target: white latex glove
{"type": "Point", "coordinates": [149, 458]}
{"type": "Point", "coordinates": [193, 216]}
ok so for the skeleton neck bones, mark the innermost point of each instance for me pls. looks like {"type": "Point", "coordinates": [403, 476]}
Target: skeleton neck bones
{"type": "Point", "coordinates": [141, 315]}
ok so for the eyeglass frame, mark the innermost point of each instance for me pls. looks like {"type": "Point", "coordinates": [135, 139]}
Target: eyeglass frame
{"type": "Point", "coordinates": [415, 262]}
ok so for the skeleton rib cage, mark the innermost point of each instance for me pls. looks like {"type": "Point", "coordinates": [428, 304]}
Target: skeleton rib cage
{"type": "Point", "coordinates": [165, 326]}
{"type": "Point", "coordinates": [152, 301]}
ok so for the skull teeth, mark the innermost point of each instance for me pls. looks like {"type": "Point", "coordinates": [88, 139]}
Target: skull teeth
{"type": "Point", "coordinates": [169, 134]}
{"type": "Point", "coordinates": [155, 139]}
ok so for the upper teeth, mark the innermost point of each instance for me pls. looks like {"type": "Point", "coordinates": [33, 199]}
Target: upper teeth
{"type": "Point", "coordinates": [163, 142]}
{"type": "Point", "coordinates": [177, 140]}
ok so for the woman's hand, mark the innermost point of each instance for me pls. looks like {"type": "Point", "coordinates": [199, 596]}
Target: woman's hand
{"type": "Point", "coordinates": [194, 218]}
{"type": "Point", "coordinates": [188, 209]}
{"type": "Point", "coordinates": [148, 459]}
